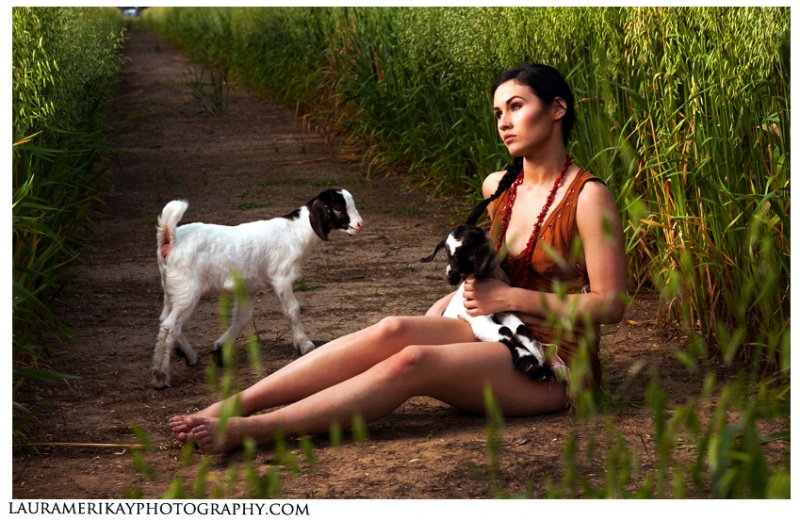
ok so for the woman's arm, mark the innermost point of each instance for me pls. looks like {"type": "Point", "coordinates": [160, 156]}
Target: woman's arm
{"type": "Point", "coordinates": [600, 228]}
{"type": "Point", "coordinates": [438, 308]}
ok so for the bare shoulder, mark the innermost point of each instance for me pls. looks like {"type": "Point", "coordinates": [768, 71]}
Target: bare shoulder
{"type": "Point", "coordinates": [491, 182]}
{"type": "Point", "coordinates": [596, 207]}
{"type": "Point", "coordinates": [596, 195]}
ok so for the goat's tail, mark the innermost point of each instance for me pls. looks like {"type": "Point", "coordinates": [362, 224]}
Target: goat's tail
{"type": "Point", "coordinates": [167, 223]}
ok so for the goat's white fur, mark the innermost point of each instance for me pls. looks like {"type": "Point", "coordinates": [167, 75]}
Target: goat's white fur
{"type": "Point", "coordinates": [199, 259]}
{"type": "Point", "coordinates": [484, 327]}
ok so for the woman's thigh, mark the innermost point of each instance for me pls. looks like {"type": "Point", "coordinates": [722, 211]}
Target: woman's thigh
{"type": "Point", "coordinates": [389, 336]}
{"type": "Point", "coordinates": [354, 353]}
{"type": "Point", "coordinates": [460, 373]}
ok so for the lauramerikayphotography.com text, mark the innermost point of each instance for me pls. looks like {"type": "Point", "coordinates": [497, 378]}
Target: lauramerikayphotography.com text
{"type": "Point", "coordinates": [190, 508]}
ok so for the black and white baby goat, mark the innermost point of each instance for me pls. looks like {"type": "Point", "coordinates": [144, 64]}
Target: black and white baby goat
{"type": "Point", "coordinates": [197, 259]}
{"type": "Point", "coordinates": [470, 253]}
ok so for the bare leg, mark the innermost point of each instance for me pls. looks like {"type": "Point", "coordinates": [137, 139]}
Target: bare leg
{"type": "Point", "coordinates": [338, 361]}
{"type": "Point", "coordinates": [454, 373]}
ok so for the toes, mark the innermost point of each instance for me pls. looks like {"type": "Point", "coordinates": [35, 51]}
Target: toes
{"type": "Point", "coordinates": [202, 436]}
{"type": "Point", "coordinates": [185, 437]}
{"type": "Point", "coordinates": [179, 424]}
{"type": "Point", "coordinates": [200, 433]}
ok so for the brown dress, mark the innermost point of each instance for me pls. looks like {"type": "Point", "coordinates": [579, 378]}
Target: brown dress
{"type": "Point", "coordinates": [558, 266]}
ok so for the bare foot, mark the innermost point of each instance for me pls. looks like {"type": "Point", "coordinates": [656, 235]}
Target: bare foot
{"type": "Point", "coordinates": [178, 424]}
{"type": "Point", "coordinates": [204, 433]}
{"type": "Point", "coordinates": [183, 423]}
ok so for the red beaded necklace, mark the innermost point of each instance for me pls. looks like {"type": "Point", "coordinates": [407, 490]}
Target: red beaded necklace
{"type": "Point", "coordinates": [519, 278]}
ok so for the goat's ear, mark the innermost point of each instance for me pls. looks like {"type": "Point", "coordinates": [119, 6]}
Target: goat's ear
{"type": "Point", "coordinates": [485, 260]}
{"type": "Point", "coordinates": [433, 255]}
{"type": "Point", "coordinates": [320, 219]}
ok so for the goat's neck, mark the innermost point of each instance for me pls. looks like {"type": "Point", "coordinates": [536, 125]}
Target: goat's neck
{"type": "Point", "coordinates": [498, 274]}
{"type": "Point", "coordinates": [305, 233]}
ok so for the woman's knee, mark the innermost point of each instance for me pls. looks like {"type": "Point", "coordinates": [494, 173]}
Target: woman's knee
{"type": "Point", "coordinates": [411, 362]}
{"type": "Point", "coordinates": [392, 328]}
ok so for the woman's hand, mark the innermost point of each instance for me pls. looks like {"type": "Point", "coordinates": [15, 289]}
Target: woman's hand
{"type": "Point", "coordinates": [486, 296]}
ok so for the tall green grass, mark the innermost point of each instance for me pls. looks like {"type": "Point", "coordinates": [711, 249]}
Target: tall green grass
{"type": "Point", "coordinates": [65, 63]}
{"type": "Point", "coordinates": [687, 121]}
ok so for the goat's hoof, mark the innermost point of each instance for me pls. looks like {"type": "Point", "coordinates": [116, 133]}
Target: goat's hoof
{"type": "Point", "coordinates": [539, 373]}
{"type": "Point", "coordinates": [216, 357]}
{"type": "Point", "coordinates": [531, 366]}
{"type": "Point", "coordinates": [306, 348]}
{"type": "Point", "coordinates": [160, 379]}
{"type": "Point", "coordinates": [190, 360]}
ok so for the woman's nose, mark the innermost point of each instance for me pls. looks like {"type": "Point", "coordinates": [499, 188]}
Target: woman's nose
{"type": "Point", "coordinates": [503, 123]}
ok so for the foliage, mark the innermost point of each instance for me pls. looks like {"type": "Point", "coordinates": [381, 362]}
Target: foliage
{"type": "Point", "coordinates": [215, 101]}
{"type": "Point", "coordinates": [686, 456]}
{"type": "Point", "coordinates": [65, 63]}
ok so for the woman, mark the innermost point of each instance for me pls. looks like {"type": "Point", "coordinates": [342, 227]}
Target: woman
{"type": "Point", "coordinates": [565, 258]}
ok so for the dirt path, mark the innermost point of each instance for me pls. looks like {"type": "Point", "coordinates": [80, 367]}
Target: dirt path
{"type": "Point", "coordinates": [257, 161]}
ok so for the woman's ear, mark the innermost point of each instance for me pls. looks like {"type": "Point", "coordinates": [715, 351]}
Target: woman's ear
{"type": "Point", "coordinates": [559, 107]}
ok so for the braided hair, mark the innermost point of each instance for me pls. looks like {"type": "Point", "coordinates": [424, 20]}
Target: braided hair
{"type": "Point", "coordinates": [548, 84]}
{"type": "Point", "coordinates": [506, 181]}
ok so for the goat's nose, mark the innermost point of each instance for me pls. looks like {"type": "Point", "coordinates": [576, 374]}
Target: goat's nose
{"type": "Point", "coordinates": [356, 226]}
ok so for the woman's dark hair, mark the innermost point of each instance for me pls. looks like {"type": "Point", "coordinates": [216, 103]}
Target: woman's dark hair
{"type": "Point", "coordinates": [548, 84]}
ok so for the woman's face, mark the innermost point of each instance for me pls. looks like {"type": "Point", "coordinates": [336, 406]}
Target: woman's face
{"type": "Point", "coordinates": [524, 123]}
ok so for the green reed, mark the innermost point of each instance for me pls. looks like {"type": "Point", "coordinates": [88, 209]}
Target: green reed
{"type": "Point", "coordinates": [65, 63]}
{"type": "Point", "coordinates": [718, 182]}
